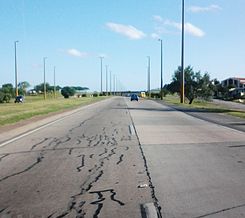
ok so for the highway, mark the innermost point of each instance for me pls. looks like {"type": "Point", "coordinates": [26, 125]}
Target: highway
{"type": "Point", "coordinates": [197, 167]}
{"type": "Point", "coordinates": [114, 157]}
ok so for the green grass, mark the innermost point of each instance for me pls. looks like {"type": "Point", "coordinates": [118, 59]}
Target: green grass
{"type": "Point", "coordinates": [237, 114]}
{"type": "Point", "coordinates": [36, 106]}
{"type": "Point", "coordinates": [204, 105]}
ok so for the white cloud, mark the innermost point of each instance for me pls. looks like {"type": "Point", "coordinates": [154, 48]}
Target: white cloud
{"type": "Point", "coordinates": [193, 30]}
{"type": "Point", "coordinates": [127, 30]}
{"type": "Point", "coordinates": [155, 36]}
{"type": "Point", "coordinates": [210, 8]}
{"type": "Point", "coordinates": [75, 53]}
{"type": "Point", "coordinates": [166, 27]}
{"type": "Point", "coordinates": [189, 28]}
{"type": "Point", "coordinates": [157, 18]}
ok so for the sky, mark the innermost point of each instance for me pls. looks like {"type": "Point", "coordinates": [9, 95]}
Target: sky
{"type": "Point", "coordinates": [73, 34]}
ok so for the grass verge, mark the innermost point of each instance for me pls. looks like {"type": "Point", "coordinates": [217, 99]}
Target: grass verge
{"type": "Point", "coordinates": [204, 106]}
{"type": "Point", "coordinates": [35, 106]}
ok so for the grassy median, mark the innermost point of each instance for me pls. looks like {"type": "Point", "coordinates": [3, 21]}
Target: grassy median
{"type": "Point", "coordinates": [204, 105]}
{"type": "Point", "coordinates": [36, 106]}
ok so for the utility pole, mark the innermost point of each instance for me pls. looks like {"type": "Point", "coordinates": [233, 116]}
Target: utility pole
{"type": "Point", "coordinates": [182, 76]}
{"type": "Point", "coordinates": [16, 73]}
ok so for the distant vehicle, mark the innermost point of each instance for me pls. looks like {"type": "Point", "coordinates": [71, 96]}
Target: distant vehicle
{"type": "Point", "coordinates": [142, 94]}
{"type": "Point", "coordinates": [19, 99]}
{"type": "Point", "coordinates": [134, 97]}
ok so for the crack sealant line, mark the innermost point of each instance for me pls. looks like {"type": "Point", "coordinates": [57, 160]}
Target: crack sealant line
{"type": "Point", "coordinates": [28, 132]}
{"type": "Point", "coordinates": [148, 210]}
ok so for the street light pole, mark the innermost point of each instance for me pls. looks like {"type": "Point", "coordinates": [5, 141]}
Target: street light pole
{"type": "Point", "coordinates": [16, 73]}
{"type": "Point", "coordinates": [44, 77]}
{"type": "Point", "coordinates": [110, 82]}
{"type": "Point", "coordinates": [106, 78]}
{"type": "Point", "coordinates": [149, 77]}
{"type": "Point", "coordinates": [114, 83]}
{"type": "Point", "coordinates": [161, 71]}
{"type": "Point", "coordinates": [54, 84]}
{"type": "Point", "coordinates": [101, 74]}
{"type": "Point", "coordinates": [182, 76]}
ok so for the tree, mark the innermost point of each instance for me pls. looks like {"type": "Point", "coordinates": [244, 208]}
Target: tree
{"type": "Point", "coordinates": [49, 88]}
{"type": "Point", "coordinates": [40, 87]}
{"type": "Point", "coordinates": [79, 88]}
{"type": "Point", "coordinates": [23, 86]}
{"type": "Point", "coordinates": [5, 97]}
{"type": "Point", "coordinates": [8, 88]}
{"type": "Point", "coordinates": [68, 91]}
{"type": "Point", "coordinates": [196, 85]}
{"type": "Point", "coordinates": [6, 92]}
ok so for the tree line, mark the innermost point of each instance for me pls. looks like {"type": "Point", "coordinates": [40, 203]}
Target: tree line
{"type": "Point", "coordinates": [197, 85]}
{"type": "Point", "coordinates": [7, 91]}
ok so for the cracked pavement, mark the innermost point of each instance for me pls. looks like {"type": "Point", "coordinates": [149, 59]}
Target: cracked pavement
{"type": "Point", "coordinates": [117, 157]}
{"type": "Point", "coordinates": [87, 165]}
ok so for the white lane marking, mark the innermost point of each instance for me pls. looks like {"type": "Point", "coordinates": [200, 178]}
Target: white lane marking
{"type": "Point", "coordinates": [50, 123]}
{"type": "Point", "coordinates": [131, 129]}
{"type": "Point", "coordinates": [30, 132]}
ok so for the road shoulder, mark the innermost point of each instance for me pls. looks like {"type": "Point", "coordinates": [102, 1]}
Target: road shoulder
{"type": "Point", "coordinates": [213, 117]}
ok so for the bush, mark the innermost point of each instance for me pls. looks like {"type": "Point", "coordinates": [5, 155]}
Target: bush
{"type": "Point", "coordinates": [5, 97]}
{"type": "Point", "coordinates": [95, 95]}
{"type": "Point", "coordinates": [1, 97]}
{"type": "Point", "coordinates": [155, 95]}
{"type": "Point", "coordinates": [165, 92]}
{"type": "Point", "coordinates": [68, 91]}
{"type": "Point", "coordinates": [84, 95]}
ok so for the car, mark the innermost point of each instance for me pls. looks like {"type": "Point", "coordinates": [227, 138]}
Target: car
{"type": "Point", "coordinates": [19, 99]}
{"type": "Point", "coordinates": [134, 97]}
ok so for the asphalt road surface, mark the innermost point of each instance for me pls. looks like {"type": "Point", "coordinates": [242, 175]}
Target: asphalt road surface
{"type": "Point", "coordinates": [111, 158]}
{"type": "Point", "coordinates": [86, 165]}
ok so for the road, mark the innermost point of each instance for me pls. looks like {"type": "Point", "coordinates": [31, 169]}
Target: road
{"type": "Point", "coordinates": [197, 167]}
{"type": "Point", "coordinates": [88, 164]}
{"type": "Point", "coordinates": [111, 158]}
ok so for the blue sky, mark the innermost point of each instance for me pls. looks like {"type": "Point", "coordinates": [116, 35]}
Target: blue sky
{"type": "Point", "coordinates": [72, 34]}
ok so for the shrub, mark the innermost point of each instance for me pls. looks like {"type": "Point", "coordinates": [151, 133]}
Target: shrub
{"type": "Point", "coordinates": [68, 91]}
{"type": "Point", "coordinates": [5, 97]}
{"type": "Point", "coordinates": [155, 95]}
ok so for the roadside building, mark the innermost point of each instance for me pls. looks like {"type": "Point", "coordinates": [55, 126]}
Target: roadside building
{"type": "Point", "coordinates": [236, 85]}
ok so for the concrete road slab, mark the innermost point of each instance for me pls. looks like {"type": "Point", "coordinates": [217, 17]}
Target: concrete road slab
{"type": "Point", "coordinates": [196, 167]}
